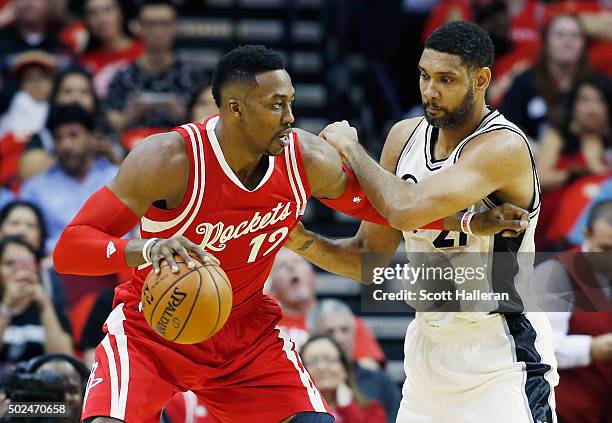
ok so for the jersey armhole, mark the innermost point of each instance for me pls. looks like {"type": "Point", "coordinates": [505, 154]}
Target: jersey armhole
{"type": "Point", "coordinates": [300, 164]}
{"type": "Point", "coordinates": [407, 146]}
{"type": "Point", "coordinates": [491, 200]}
{"type": "Point", "coordinates": [155, 213]}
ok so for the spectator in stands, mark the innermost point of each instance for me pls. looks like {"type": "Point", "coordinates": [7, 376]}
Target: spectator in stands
{"type": "Point", "coordinates": [64, 188]}
{"type": "Point", "coordinates": [28, 109]}
{"type": "Point", "coordinates": [596, 18]}
{"type": "Point", "coordinates": [576, 237]}
{"type": "Point", "coordinates": [75, 375]}
{"type": "Point", "coordinates": [27, 112]}
{"type": "Point", "coordinates": [578, 147]}
{"type": "Point", "coordinates": [28, 31]}
{"type": "Point", "coordinates": [30, 322]}
{"type": "Point", "coordinates": [574, 282]}
{"type": "Point", "coordinates": [333, 374]}
{"type": "Point", "coordinates": [73, 85]}
{"type": "Point", "coordinates": [334, 318]}
{"type": "Point", "coordinates": [536, 96]}
{"type": "Point", "coordinates": [24, 219]}
{"type": "Point", "coordinates": [109, 48]}
{"type": "Point", "coordinates": [202, 104]}
{"type": "Point", "coordinates": [154, 91]}
{"type": "Point", "coordinates": [293, 284]}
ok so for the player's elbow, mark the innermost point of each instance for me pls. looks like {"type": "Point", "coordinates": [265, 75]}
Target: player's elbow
{"type": "Point", "coordinates": [401, 218]}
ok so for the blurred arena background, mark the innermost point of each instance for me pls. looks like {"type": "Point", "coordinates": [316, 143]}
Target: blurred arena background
{"type": "Point", "coordinates": [81, 82]}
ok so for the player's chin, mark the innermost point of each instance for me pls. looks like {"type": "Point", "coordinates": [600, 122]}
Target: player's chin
{"type": "Point", "coordinates": [275, 149]}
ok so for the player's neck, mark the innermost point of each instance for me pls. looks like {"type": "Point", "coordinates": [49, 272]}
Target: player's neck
{"type": "Point", "coordinates": [450, 137]}
{"type": "Point", "coordinates": [243, 161]}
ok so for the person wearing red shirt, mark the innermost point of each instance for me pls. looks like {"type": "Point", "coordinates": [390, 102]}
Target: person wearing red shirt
{"type": "Point", "coordinates": [109, 48]}
{"type": "Point", "coordinates": [333, 373]}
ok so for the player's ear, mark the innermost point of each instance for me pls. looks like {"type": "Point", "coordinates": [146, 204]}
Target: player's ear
{"type": "Point", "coordinates": [482, 79]}
{"type": "Point", "coordinates": [234, 107]}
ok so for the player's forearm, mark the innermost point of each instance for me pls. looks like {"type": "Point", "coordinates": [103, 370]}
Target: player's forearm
{"type": "Point", "coordinates": [336, 255]}
{"type": "Point", "coordinates": [92, 244]}
{"type": "Point", "coordinates": [386, 192]}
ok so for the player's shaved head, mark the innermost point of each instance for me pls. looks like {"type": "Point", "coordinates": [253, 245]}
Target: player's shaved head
{"type": "Point", "coordinates": [238, 69]}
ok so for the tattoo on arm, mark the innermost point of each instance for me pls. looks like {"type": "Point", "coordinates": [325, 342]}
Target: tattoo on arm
{"type": "Point", "coordinates": [306, 245]}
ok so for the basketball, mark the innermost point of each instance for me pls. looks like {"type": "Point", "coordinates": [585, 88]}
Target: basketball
{"type": "Point", "coordinates": [189, 306]}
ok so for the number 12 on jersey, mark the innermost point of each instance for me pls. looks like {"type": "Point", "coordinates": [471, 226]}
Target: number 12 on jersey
{"type": "Point", "coordinates": [274, 238]}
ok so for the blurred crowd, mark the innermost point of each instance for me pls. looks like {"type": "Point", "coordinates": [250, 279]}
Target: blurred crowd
{"type": "Point", "coordinates": [81, 83]}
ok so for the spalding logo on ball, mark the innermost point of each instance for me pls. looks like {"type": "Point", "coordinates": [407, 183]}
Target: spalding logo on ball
{"type": "Point", "coordinates": [189, 306]}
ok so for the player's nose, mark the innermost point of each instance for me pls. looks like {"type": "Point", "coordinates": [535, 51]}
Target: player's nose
{"type": "Point", "coordinates": [288, 118]}
{"type": "Point", "coordinates": [430, 91]}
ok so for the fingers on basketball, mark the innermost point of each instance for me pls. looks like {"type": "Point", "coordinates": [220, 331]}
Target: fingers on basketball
{"type": "Point", "coordinates": [189, 306]}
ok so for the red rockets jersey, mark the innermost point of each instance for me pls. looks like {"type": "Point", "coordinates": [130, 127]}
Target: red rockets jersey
{"type": "Point", "coordinates": [243, 228]}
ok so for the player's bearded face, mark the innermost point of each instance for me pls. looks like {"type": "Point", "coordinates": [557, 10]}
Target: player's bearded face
{"type": "Point", "coordinates": [450, 117]}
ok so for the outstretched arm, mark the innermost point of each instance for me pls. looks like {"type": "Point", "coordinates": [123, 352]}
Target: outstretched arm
{"type": "Point", "coordinates": [327, 180]}
{"type": "Point", "coordinates": [343, 255]}
{"type": "Point", "coordinates": [494, 162]}
{"type": "Point", "coordinates": [157, 169]}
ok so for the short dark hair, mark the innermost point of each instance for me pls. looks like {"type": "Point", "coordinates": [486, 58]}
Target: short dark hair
{"type": "Point", "coordinates": [466, 40]}
{"type": "Point", "coordinates": [601, 210]}
{"type": "Point", "coordinates": [242, 65]}
{"type": "Point", "coordinates": [70, 113]}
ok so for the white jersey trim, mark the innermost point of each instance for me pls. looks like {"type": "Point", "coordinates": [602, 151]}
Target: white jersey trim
{"type": "Point", "coordinates": [190, 128]}
{"type": "Point", "coordinates": [214, 142]}
{"type": "Point", "coordinates": [313, 393]}
{"type": "Point", "coordinates": [119, 390]}
{"type": "Point", "coordinates": [154, 226]}
{"type": "Point", "coordinates": [296, 174]}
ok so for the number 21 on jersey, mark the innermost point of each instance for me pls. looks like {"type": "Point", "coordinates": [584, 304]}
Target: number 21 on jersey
{"type": "Point", "coordinates": [445, 239]}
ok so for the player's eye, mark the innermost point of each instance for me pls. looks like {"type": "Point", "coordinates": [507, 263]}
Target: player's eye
{"type": "Point", "coordinates": [277, 105]}
{"type": "Point", "coordinates": [424, 76]}
{"type": "Point", "coordinates": [447, 80]}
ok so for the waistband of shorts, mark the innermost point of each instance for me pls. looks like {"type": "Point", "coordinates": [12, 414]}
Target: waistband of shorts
{"type": "Point", "coordinates": [462, 332]}
{"type": "Point", "coordinates": [248, 305]}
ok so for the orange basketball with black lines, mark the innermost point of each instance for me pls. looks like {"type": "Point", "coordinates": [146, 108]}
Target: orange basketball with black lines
{"type": "Point", "coordinates": [189, 306]}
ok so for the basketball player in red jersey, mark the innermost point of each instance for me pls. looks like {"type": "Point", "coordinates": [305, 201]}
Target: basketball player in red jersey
{"type": "Point", "coordinates": [234, 186]}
